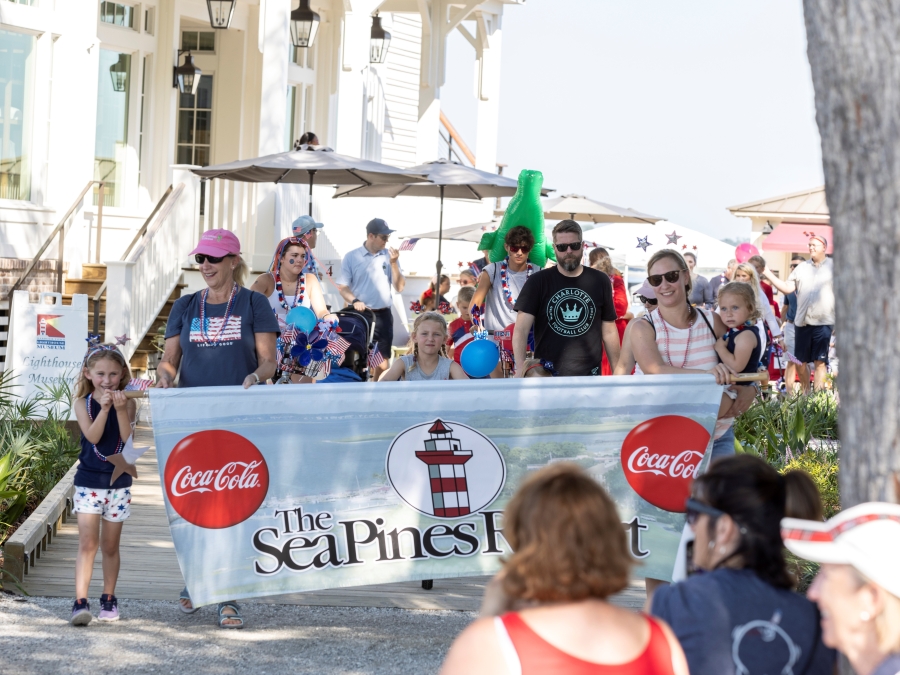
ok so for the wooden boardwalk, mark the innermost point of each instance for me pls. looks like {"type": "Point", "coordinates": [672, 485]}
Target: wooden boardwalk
{"type": "Point", "coordinates": [150, 569]}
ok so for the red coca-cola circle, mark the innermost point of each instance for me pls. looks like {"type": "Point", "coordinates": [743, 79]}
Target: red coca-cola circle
{"type": "Point", "coordinates": [216, 479]}
{"type": "Point", "coordinates": [660, 458]}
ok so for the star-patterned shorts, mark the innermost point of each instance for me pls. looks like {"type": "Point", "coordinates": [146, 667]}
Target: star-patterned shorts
{"type": "Point", "coordinates": [113, 505]}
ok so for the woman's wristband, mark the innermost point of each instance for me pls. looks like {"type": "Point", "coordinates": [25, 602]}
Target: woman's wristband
{"type": "Point", "coordinates": [256, 376]}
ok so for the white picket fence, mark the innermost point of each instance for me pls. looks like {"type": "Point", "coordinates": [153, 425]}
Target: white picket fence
{"type": "Point", "coordinates": [139, 286]}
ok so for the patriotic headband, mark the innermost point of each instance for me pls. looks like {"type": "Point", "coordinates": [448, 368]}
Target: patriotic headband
{"type": "Point", "coordinates": [94, 347]}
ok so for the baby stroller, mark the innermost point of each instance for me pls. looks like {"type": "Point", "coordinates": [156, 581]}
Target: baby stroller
{"type": "Point", "coordinates": [358, 329]}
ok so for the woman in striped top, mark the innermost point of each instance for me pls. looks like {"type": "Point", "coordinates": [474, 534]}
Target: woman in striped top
{"type": "Point", "coordinates": [676, 339]}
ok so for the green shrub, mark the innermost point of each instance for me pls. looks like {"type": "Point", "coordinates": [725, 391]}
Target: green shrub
{"type": "Point", "coordinates": [36, 450]}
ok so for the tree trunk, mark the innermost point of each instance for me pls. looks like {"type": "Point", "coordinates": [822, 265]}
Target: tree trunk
{"type": "Point", "coordinates": [854, 52]}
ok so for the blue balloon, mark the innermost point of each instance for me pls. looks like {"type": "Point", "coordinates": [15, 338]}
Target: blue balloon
{"type": "Point", "coordinates": [303, 319]}
{"type": "Point", "coordinates": [480, 357]}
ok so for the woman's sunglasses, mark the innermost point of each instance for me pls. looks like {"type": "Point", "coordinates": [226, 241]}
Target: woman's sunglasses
{"type": "Point", "coordinates": [574, 246]}
{"type": "Point", "coordinates": [215, 260]}
{"type": "Point", "coordinates": [519, 249]}
{"type": "Point", "coordinates": [646, 300]}
{"type": "Point", "coordinates": [695, 509]}
{"type": "Point", "coordinates": [656, 279]}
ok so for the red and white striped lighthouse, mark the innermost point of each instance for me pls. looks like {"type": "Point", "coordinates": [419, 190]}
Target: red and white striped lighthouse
{"type": "Point", "coordinates": [447, 470]}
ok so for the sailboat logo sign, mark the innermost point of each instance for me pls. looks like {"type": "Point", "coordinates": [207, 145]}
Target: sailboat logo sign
{"type": "Point", "coordinates": [445, 469]}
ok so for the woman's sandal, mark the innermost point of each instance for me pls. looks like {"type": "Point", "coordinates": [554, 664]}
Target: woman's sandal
{"type": "Point", "coordinates": [186, 596]}
{"type": "Point", "coordinates": [230, 617]}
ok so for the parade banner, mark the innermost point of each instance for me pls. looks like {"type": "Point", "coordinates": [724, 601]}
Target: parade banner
{"type": "Point", "coordinates": [280, 489]}
{"type": "Point", "coordinates": [47, 342]}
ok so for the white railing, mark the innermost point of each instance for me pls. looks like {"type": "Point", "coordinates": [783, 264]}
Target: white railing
{"type": "Point", "coordinates": [139, 286]}
{"type": "Point", "coordinates": [233, 205]}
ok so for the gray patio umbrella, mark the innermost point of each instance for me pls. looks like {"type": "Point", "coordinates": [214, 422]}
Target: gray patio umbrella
{"type": "Point", "coordinates": [312, 164]}
{"type": "Point", "coordinates": [471, 233]}
{"type": "Point", "coordinates": [579, 207]}
{"type": "Point", "coordinates": [447, 179]}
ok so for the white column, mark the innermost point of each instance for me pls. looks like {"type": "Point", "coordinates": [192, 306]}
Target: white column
{"type": "Point", "coordinates": [119, 288]}
{"type": "Point", "coordinates": [487, 84]}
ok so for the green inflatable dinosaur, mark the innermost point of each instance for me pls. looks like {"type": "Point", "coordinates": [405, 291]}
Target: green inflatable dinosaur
{"type": "Point", "coordinates": [524, 209]}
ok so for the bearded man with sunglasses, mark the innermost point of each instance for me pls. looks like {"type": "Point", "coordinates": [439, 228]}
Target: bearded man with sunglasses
{"type": "Point", "coordinates": [571, 309]}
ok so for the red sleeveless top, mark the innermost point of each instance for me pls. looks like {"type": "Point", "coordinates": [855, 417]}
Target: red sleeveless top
{"type": "Point", "coordinates": [537, 656]}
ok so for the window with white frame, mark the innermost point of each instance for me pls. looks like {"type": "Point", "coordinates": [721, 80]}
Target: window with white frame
{"type": "Point", "coordinates": [111, 140]}
{"type": "Point", "coordinates": [117, 14]}
{"type": "Point", "coordinates": [198, 41]}
{"type": "Point", "coordinates": [16, 113]}
{"type": "Point", "coordinates": [195, 124]}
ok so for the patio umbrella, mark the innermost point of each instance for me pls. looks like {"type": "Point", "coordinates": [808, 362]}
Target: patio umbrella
{"type": "Point", "coordinates": [312, 164]}
{"type": "Point", "coordinates": [578, 207]}
{"type": "Point", "coordinates": [462, 233]}
{"type": "Point", "coordinates": [447, 179]}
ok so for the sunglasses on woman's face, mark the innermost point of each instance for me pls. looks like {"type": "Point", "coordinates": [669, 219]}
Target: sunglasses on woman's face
{"type": "Point", "coordinates": [656, 279]}
{"type": "Point", "coordinates": [694, 509]}
{"type": "Point", "coordinates": [646, 300]}
{"type": "Point", "coordinates": [574, 246]}
{"type": "Point", "coordinates": [215, 260]}
{"type": "Point", "coordinates": [519, 249]}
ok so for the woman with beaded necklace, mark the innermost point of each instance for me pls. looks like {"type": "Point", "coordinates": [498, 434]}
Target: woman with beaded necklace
{"type": "Point", "coordinates": [223, 335]}
{"type": "Point", "coordinates": [500, 282]}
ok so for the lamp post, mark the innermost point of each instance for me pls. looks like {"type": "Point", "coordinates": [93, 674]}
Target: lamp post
{"type": "Point", "coordinates": [119, 73]}
{"type": "Point", "coordinates": [379, 41]}
{"type": "Point", "coordinates": [304, 25]}
{"type": "Point", "coordinates": [186, 76]}
{"type": "Point", "coordinates": [220, 12]}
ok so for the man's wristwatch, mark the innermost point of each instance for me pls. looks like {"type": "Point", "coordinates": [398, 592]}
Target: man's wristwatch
{"type": "Point", "coordinates": [355, 300]}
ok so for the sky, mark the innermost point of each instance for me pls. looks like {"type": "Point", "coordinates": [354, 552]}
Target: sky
{"type": "Point", "coordinates": [677, 109]}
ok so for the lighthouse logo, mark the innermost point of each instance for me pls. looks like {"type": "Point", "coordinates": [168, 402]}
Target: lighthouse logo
{"type": "Point", "coordinates": [49, 336]}
{"type": "Point", "coordinates": [445, 469]}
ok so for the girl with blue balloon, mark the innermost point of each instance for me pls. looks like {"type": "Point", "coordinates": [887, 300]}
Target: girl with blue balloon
{"type": "Point", "coordinates": [295, 298]}
{"type": "Point", "coordinates": [428, 359]}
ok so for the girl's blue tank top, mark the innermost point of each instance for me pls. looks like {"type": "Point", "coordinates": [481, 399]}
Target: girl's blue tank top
{"type": "Point", "coordinates": [92, 471]}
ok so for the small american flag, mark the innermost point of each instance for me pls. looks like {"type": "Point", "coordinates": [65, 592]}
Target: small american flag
{"type": "Point", "coordinates": [409, 244]}
{"type": "Point", "coordinates": [338, 345]}
{"type": "Point", "coordinates": [138, 384]}
{"type": "Point", "coordinates": [375, 358]}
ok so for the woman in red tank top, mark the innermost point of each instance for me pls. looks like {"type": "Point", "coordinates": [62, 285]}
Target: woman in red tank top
{"type": "Point", "coordinates": [570, 555]}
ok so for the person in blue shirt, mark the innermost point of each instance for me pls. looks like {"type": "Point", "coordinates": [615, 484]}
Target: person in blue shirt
{"type": "Point", "coordinates": [368, 275]}
{"type": "Point", "coordinates": [307, 229]}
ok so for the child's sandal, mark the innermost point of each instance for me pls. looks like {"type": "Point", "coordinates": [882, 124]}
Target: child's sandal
{"type": "Point", "coordinates": [230, 617]}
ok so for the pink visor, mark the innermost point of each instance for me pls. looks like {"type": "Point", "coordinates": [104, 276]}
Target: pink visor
{"type": "Point", "coordinates": [218, 243]}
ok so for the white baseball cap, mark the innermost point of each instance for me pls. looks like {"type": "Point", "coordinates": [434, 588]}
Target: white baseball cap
{"type": "Point", "coordinates": [866, 536]}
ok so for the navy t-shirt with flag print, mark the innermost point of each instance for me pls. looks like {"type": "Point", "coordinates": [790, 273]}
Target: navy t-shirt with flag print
{"type": "Point", "coordinates": [207, 364]}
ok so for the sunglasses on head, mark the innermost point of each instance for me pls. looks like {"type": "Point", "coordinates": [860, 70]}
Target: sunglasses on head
{"type": "Point", "coordinates": [574, 246]}
{"type": "Point", "coordinates": [694, 509]}
{"type": "Point", "coordinates": [519, 249]}
{"type": "Point", "coordinates": [214, 259]}
{"type": "Point", "coordinates": [649, 301]}
{"type": "Point", "coordinates": [656, 279]}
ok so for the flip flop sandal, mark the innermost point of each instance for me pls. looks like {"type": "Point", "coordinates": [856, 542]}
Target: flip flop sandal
{"type": "Point", "coordinates": [236, 616]}
{"type": "Point", "coordinates": [186, 596]}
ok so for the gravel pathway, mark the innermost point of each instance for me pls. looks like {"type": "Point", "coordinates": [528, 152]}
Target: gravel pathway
{"type": "Point", "coordinates": [153, 636]}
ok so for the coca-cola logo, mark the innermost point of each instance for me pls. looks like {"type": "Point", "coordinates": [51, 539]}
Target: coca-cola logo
{"type": "Point", "coordinates": [216, 479]}
{"type": "Point", "coordinates": [660, 458]}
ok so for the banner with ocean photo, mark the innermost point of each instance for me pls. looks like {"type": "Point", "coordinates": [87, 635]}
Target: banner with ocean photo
{"type": "Point", "coordinates": [283, 489]}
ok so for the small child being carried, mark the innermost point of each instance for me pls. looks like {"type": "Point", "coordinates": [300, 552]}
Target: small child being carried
{"type": "Point", "coordinates": [740, 347]}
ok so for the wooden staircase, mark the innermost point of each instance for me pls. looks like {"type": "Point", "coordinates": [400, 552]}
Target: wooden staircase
{"type": "Point", "coordinates": [92, 278]}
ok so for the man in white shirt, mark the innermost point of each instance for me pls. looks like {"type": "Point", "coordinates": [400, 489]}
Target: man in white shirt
{"type": "Point", "coordinates": [814, 321]}
{"type": "Point", "coordinates": [367, 275]}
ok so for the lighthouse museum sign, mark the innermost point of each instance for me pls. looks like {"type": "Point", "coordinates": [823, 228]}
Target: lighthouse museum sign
{"type": "Point", "coordinates": [278, 490]}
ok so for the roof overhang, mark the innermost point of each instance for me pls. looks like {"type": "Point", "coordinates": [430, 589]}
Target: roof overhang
{"type": "Point", "coordinates": [807, 206]}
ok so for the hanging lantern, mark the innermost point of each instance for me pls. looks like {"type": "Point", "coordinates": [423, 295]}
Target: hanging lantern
{"type": "Point", "coordinates": [379, 41]}
{"type": "Point", "coordinates": [304, 25]}
{"type": "Point", "coordinates": [119, 73]}
{"type": "Point", "coordinates": [220, 12]}
{"type": "Point", "coordinates": [187, 75]}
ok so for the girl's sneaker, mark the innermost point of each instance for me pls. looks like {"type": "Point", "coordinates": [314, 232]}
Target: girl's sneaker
{"type": "Point", "coordinates": [109, 608]}
{"type": "Point", "coordinates": [81, 613]}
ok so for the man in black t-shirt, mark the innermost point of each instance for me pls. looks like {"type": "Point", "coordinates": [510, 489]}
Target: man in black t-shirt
{"type": "Point", "coordinates": [571, 309]}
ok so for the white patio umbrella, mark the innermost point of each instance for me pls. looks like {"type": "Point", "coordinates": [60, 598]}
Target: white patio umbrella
{"type": "Point", "coordinates": [447, 179]}
{"type": "Point", "coordinates": [579, 207]}
{"type": "Point", "coordinates": [312, 164]}
{"type": "Point", "coordinates": [462, 233]}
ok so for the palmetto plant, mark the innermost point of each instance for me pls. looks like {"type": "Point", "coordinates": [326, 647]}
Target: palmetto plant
{"type": "Point", "coordinates": [36, 450]}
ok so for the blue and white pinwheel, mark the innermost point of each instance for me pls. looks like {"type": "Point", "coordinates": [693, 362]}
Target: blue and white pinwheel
{"type": "Point", "coordinates": [305, 352]}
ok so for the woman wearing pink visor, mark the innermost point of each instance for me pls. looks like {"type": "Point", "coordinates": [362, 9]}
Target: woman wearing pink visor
{"type": "Point", "coordinates": [858, 585]}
